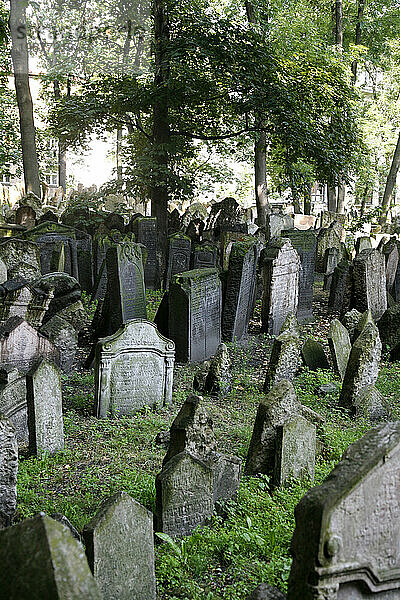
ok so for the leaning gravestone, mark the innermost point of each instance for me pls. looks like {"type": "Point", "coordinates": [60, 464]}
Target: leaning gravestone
{"type": "Point", "coordinates": [41, 560]}
{"type": "Point", "coordinates": [341, 287]}
{"type": "Point", "coordinates": [13, 402]}
{"type": "Point", "coordinates": [194, 306]}
{"type": "Point", "coordinates": [363, 243]}
{"type": "Point", "coordinates": [21, 346]}
{"type": "Point", "coordinates": [281, 266]}
{"type": "Point", "coordinates": [340, 346]}
{"type": "Point", "coordinates": [8, 472]}
{"type": "Point", "coordinates": [120, 549]}
{"type": "Point", "coordinates": [145, 230]}
{"type": "Point", "coordinates": [327, 238]}
{"type": "Point", "coordinates": [179, 248]}
{"type": "Point", "coordinates": [305, 242]}
{"type": "Point", "coordinates": [350, 320]}
{"type": "Point", "coordinates": [240, 290]}
{"type": "Point", "coordinates": [285, 359]}
{"type": "Point", "coordinates": [331, 260]}
{"type": "Point", "coordinates": [295, 451]}
{"type": "Point", "coordinates": [44, 401]}
{"type": "Point", "coordinates": [21, 258]}
{"type": "Point", "coordinates": [369, 283]}
{"type": "Point", "coordinates": [64, 338]}
{"type": "Point", "coordinates": [391, 253]}
{"type": "Point", "coordinates": [21, 299]}
{"type": "Point", "coordinates": [314, 356]}
{"type": "Point", "coordinates": [184, 495]}
{"type": "Point", "coordinates": [345, 545]}
{"type": "Point", "coordinates": [126, 294]}
{"type": "Point", "coordinates": [134, 368]}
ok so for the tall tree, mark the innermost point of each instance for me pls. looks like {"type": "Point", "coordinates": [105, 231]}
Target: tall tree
{"type": "Point", "coordinates": [20, 59]}
{"type": "Point", "coordinates": [391, 181]}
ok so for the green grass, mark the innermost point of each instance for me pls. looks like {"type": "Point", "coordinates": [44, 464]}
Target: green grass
{"type": "Point", "coordinates": [226, 559]}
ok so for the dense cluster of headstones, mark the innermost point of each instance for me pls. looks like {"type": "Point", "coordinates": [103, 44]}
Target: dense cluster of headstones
{"type": "Point", "coordinates": [214, 273]}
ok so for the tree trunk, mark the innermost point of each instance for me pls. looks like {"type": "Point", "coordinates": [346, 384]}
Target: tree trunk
{"type": "Point", "coordinates": [159, 192]}
{"type": "Point", "coordinates": [62, 149]}
{"type": "Point", "coordinates": [331, 198]}
{"type": "Point", "coordinates": [360, 14]}
{"type": "Point", "coordinates": [339, 23]}
{"type": "Point", "coordinates": [260, 174]}
{"type": "Point", "coordinates": [364, 201]}
{"type": "Point", "coordinates": [307, 199]}
{"type": "Point", "coordinates": [340, 196]}
{"type": "Point", "coordinates": [19, 55]}
{"type": "Point", "coordinates": [390, 182]}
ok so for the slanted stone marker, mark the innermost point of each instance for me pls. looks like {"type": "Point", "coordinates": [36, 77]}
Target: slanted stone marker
{"type": "Point", "coordinates": [184, 495]}
{"type": "Point", "coordinates": [194, 306]}
{"type": "Point", "coordinates": [264, 591]}
{"type": "Point", "coordinates": [345, 545]}
{"type": "Point", "coordinates": [340, 346]}
{"type": "Point", "coordinates": [295, 451]}
{"type": "Point", "coordinates": [179, 248]}
{"type": "Point", "coordinates": [340, 289]}
{"type": "Point", "coordinates": [44, 401]}
{"type": "Point", "coordinates": [240, 290]}
{"type": "Point", "coordinates": [281, 264]}
{"type": "Point", "coordinates": [120, 549]}
{"type": "Point", "coordinates": [145, 230]}
{"type": "Point", "coordinates": [21, 258]}
{"type": "Point", "coordinates": [41, 560]}
{"type": "Point", "coordinates": [13, 402]}
{"type": "Point", "coordinates": [314, 355]}
{"type": "Point", "coordinates": [369, 283]}
{"type": "Point", "coordinates": [65, 338]}
{"type": "Point", "coordinates": [8, 472]}
{"type": "Point", "coordinates": [305, 242]}
{"type": "Point", "coordinates": [285, 358]}
{"type": "Point", "coordinates": [134, 368]}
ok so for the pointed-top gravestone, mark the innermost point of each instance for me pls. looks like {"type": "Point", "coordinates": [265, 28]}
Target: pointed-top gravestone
{"type": "Point", "coordinates": [44, 401]}
{"type": "Point", "coordinates": [120, 549]}
{"type": "Point", "coordinates": [369, 283]}
{"type": "Point", "coordinates": [340, 346]}
{"type": "Point", "coordinates": [305, 242]}
{"type": "Point", "coordinates": [41, 560]}
{"type": "Point", "coordinates": [345, 545]}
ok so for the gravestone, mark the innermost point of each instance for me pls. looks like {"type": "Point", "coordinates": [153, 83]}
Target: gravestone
{"type": "Point", "coordinates": [101, 243]}
{"type": "Point", "coordinates": [120, 549]}
{"type": "Point", "coordinates": [363, 243]}
{"type": "Point", "coordinates": [364, 320]}
{"type": "Point", "coordinates": [281, 265]}
{"type": "Point", "coordinates": [327, 238]}
{"type": "Point", "coordinates": [218, 381]}
{"type": "Point", "coordinates": [340, 346]}
{"type": "Point", "coordinates": [204, 256]}
{"type": "Point", "coordinates": [126, 294]}
{"type": "Point", "coordinates": [285, 359]}
{"type": "Point", "coordinates": [41, 560]}
{"type": "Point", "coordinates": [21, 346]}
{"type": "Point", "coordinates": [13, 402]}
{"type": "Point", "coordinates": [194, 308]}
{"type": "Point", "coordinates": [179, 248]}
{"type": "Point", "coordinates": [8, 472]}
{"type": "Point", "coordinates": [240, 290]}
{"type": "Point", "coordinates": [314, 356]}
{"type": "Point", "coordinates": [44, 402]}
{"type": "Point", "coordinates": [362, 367]}
{"type": "Point", "coordinates": [369, 283]}
{"type": "Point", "coordinates": [276, 222]}
{"type": "Point", "coordinates": [26, 216]}
{"type": "Point", "coordinates": [21, 299]}
{"type": "Point", "coordinates": [228, 238]}
{"type": "Point", "coordinates": [65, 289]}
{"type": "Point", "coordinates": [133, 369]}
{"type": "Point", "coordinates": [64, 338]}
{"type": "Point", "coordinates": [194, 230]}
{"type": "Point", "coordinates": [389, 326]}
{"type": "Point", "coordinates": [341, 287]}
{"type": "Point", "coordinates": [305, 242]}
{"type": "Point", "coordinates": [391, 253]}
{"type": "Point", "coordinates": [21, 258]}
{"type": "Point", "coordinates": [264, 591]}
{"type": "Point", "coordinates": [145, 230]}
{"type": "Point", "coordinates": [350, 320]}
{"type": "Point", "coordinates": [279, 406]}
{"type": "Point", "coordinates": [295, 451]}
{"type": "Point", "coordinates": [331, 260]}
{"type": "Point", "coordinates": [184, 495]}
{"type": "Point", "coordinates": [345, 545]}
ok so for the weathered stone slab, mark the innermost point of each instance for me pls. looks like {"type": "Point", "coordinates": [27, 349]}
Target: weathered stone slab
{"type": "Point", "coordinates": [363, 243]}
{"type": "Point", "coordinates": [204, 256]}
{"type": "Point", "coordinates": [281, 266]}
{"type": "Point", "coordinates": [340, 346]}
{"type": "Point", "coordinates": [21, 258]}
{"type": "Point", "coordinates": [8, 472]}
{"type": "Point", "coordinates": [276, 223]}
{"type": "Point", "coordinates": [314, 356]}
{"type": "Point", "coordinates": [41, 560]}
{"type": "Point", "coordinates": [195, 303]}
{"type": "Point", "coordinates": [369, 283]}
{"type": "Point", "coordinates": [341, 287]}
{"type": "Point", "coordinates": [64, 338]}
{"type": "Point", "coordinates": [145, 230]}
{"type": "Point", "coordinates": [389, 326]}
{"type": "Point", "coordinates": [184, 495]}
{"type": "Point", "coordinates": [266, 592]}
{"type": "Point", "coordinates": [120, 549]}
{"type": "Point", "coordinates": [363, 366]}
{"type": "Point", "coordinates": [134, 369]}
{"type": "Point", "coordinates": [240, 290]}
{"type": "Point", "coordinates": [218, 381]}
{"type": "Point", "coordinates": [21, 299]}
{"type": "Point", "coordinates": [44, 401]}
{"type": "Point", "coordinates": [347, 529]}
{"type": "Point", "coordinates": [13, 402]}
{"type": "Point", "coordinates": [305, 242]}
{"type": "Point", "coordinates": [285, 359]}
{"type": "Point", "coordinates": [391, 253]}
{"type": "Point", "coordinates": [327, 238]}
{"type": "Point", "coordinates": [179, 250]}
{"type": "Point", "coordinates": [350, 320]}
{"type": "Point", "coordinates": [295, 451]}
{"type": "Point", "coordinates": [21, 346]}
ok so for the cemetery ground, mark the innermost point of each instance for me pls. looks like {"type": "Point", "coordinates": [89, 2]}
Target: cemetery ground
{"type": "Point", "coordinates": [248, 541]}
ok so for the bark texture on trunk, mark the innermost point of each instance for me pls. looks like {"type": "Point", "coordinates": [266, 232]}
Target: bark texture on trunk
{"type": "Point", "coordinates": [391, 181]}
{"type": "Point", "coordinates": [360, 15]}
{"type": "Point", "coordinates": [19, 55]}
{"type": "Point", "coordinates": [341, 196]}
{"type": "Point", "coordinates": [331, 198]}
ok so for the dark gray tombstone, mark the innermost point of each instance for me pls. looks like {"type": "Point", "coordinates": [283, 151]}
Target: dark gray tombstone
{"type": "Point", "coordinates": [363, 243]}
{"type": "Point", "coordinates": [314, 356]}
{"type": "Point", "coordinates": [179, 248]}
{"type": "Point", "coordinates": [327, 238]}
{"type": "Point", "coordinates": [305, 242]}
{"type": "Point", "coordinates": [204, 256]}
{"type": "Point", "coordinates": [184, 495]}
{"type": "Point", "coordinates": [347, 529]}
{"type": "Point", "coordinates": [145, 230]}
{"type": "Point", "coordinates": [331, 260]}
{"type": "Point", "coordinates": [341, 287]}
{"type": "Point", "coordinates": [120, 549]}
{"type": "Point", "coordinates": [195, 314]}
{"type": "Point", "coordinates": [369, 283]}
{"type": "Point", "coordinates": [41, 560]}
{"type": "Point", "coordinates": [281, 265]}
{"type": "Point", "coordinates": [240, 290]}
{"type": "Point", "coordinates": [391, 253]}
